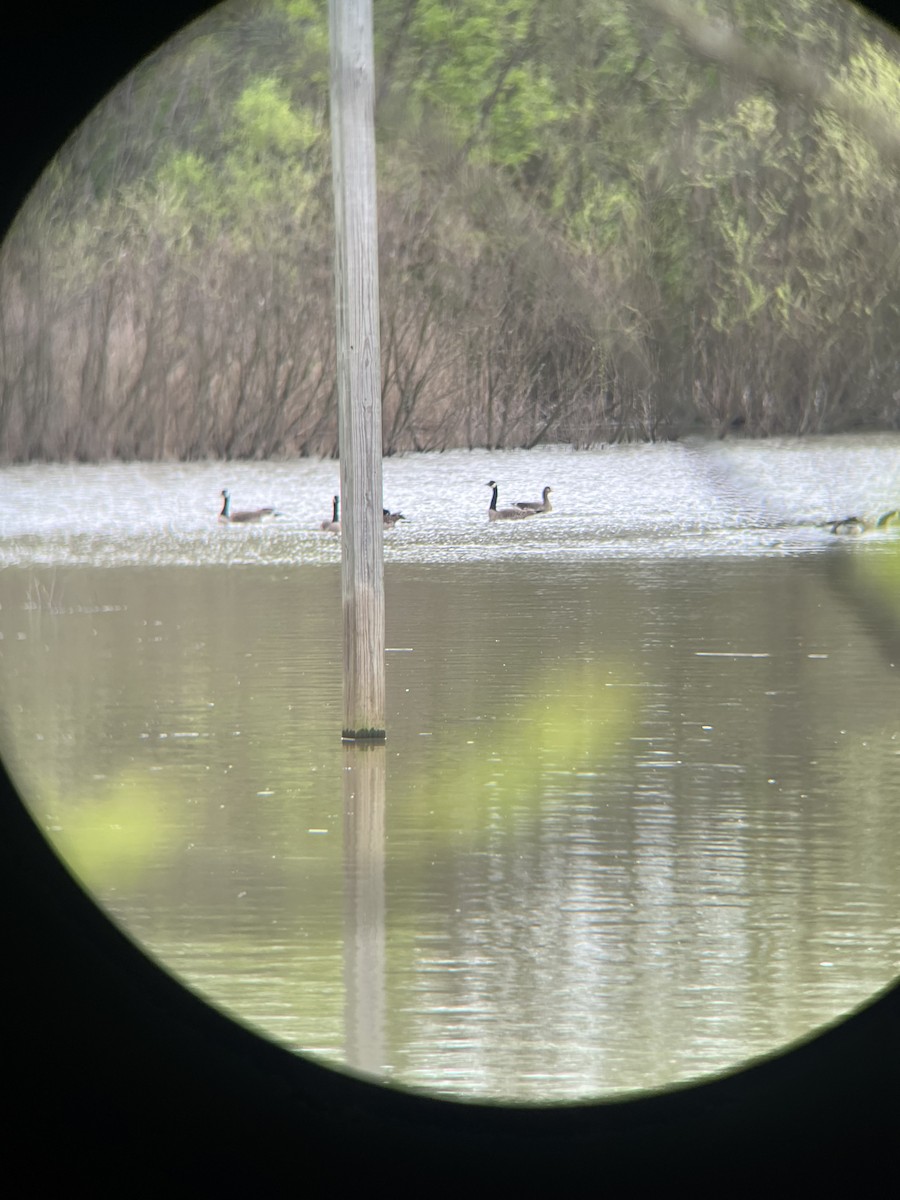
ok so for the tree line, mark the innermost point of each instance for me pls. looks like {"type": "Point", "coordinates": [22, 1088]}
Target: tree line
{"type": "Point", "coordinates": [598, 220]}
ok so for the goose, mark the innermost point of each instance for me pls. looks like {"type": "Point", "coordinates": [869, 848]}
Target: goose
{"type": "Point", "coordinates": [243, 515]}
{"type": "Point", "coordinates": [857, 525]}
{"type": "Point", "coordinates": [334, 525]}
{"type": "Point", "coordinates": [849, 525]}
{"type": "Point", "coordinates": [505, 514]}
{"type": "Point", "coordinates": [390, 519]}
{"type": "Point", "coordinates": [537, 506]}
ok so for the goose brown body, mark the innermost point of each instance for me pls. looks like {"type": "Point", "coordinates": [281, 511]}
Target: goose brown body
{"type": "Point", "coordinates": [505, 514]}
{"type": "Point", "coordinates": [537, 506]}
{"type": "Point", "coordinates": [849, 525]}
{"type": "Point", "coordinates": [242, 516]}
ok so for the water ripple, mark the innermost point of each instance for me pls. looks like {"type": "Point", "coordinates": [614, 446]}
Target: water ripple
{"type": "Point", "coordinates": [622, 502]}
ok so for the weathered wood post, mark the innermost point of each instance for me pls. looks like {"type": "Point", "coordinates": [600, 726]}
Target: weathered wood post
{"type": "Point", "coordinates": [359, 364]}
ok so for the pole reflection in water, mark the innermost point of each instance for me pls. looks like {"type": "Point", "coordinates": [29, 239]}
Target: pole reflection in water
{"type": "Point", "coordinates": [364, 906]}
{"type": "Point", "coordinates": [643, 756]}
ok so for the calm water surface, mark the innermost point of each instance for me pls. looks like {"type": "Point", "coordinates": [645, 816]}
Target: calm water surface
{"type": "Point", "coordinates": [637, 818]}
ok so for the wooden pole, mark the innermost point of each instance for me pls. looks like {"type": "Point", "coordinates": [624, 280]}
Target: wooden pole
{"type": "Point", "coordinates": [359, 365]}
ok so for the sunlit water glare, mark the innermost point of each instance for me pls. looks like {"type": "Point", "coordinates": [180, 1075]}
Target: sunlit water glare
{"type": "Point", "coordinates": [636, 818]}
{"type": "Point", "coordinates": [619, 502]}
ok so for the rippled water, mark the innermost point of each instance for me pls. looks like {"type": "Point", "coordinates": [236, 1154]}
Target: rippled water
{"type": "Point", "coordinates": [636, 819]}
{"type": "Point", "coordinates": [654, 501]}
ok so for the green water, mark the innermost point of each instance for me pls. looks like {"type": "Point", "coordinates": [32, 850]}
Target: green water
{"type": "Point", "coordinates": [634, 822]}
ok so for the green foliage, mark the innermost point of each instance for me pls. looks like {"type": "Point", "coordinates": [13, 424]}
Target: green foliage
{"type": "Point", "coordinates": [266, 124]}
{"type": "Point", "coordinates": [594, 223]}
{"type": "Point", "coordinates": [476, 63]}
{"type": "Point", "coordinates": [188, 192]}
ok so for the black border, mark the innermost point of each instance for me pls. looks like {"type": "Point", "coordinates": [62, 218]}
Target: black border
{"type": "Point", "coordinates": [117, 1079]}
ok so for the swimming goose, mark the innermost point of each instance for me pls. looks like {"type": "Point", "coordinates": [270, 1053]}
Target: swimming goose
{"type": "Point", "coordinates": [857, 525]}
{"type": "Point", "coordinates": [849, 525]}
{"type": "Point", "coordinates": [537, 505]}
{"type": "Point", "coordinates": [505, 514]}
{"type": "Point", "coordinates": [390, 519]}
{"type": "Point", "coordinates": [334, 525]}
{"type": "Point", "coordinates": [243, 515]}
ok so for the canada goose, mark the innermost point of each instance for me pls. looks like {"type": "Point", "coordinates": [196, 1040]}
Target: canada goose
{"type": "Point", "coordinates": [390, 519]}
{"type": "Point", "coordinates": [244, 515]}
{"type": "Point", "coordinates": [849, 525]}
{"type": "Point", "coordinates": [334, 525]}
{"type": "Point", "coordinates": [505, 514]}
{"type": "Point", "coordinates": [537, 505]}
{"type": "Point", "coordinates": [857, 525]}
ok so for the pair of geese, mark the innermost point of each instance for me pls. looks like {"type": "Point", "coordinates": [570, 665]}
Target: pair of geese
{"type": "Point", "coordinates": [389, 519]}
{"type": "Point", "coordinates": [244, 516]}
{"type": "Point", "coordinates": [522, 508]}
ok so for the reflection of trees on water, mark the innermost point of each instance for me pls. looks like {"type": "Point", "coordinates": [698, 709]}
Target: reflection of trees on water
{"type": "Point", "coordinates": [624, 796]}
{"type": "Point", "coordinates": [867, 581]}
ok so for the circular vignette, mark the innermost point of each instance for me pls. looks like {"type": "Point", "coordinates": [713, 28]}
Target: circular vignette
{"type": "Point", "coordinates": [121, 1076]}
{"type": "Point", "coordinates": [120, 1072]}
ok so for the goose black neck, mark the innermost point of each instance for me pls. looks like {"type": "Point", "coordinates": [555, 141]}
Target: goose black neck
{"type": "Point", "coordinates": [494, 498]}
{"type": "Point", "coordinates": [335, 509]}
